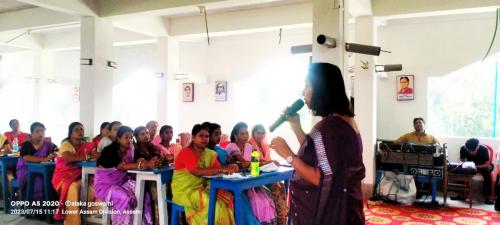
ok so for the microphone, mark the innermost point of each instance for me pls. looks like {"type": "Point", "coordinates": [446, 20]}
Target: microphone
{"type": "Point", "coordinates": [296, 106]}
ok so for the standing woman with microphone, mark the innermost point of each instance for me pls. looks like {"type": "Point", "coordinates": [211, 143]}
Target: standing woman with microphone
{"type": "Point", "coordinates": [326, 185]}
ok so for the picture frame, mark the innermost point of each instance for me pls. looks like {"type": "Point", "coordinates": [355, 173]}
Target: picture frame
{"type": "Point", "coordinates": [220, 91]}
{"type": "Point", "coordinates": [405, 87]}
{"type": "Point", "coordinates": [187, 92]}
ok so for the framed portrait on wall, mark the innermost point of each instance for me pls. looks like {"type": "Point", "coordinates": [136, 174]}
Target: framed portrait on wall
{"type": "Point", "coordinates": [187, 92]}
{"type": "Point", "coordinates": [405, 87]}
{"type": "Point", "coordinates": [221, 91]}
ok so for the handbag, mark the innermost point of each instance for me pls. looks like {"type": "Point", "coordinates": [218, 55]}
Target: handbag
{"type": "Point", "coordinates": [398, 187]}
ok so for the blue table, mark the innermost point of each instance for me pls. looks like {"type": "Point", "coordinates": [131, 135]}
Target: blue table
{"type": "Point", "coordinates": [238, 186]}
{"type": "Point", "coordinates": [5, 163]}
{"type": "Point", "coordinates": [160, 176]}
{"type": "Point", "coordinates": [88, 168]}
{"type": "Point", "coordinates": [46, 169]}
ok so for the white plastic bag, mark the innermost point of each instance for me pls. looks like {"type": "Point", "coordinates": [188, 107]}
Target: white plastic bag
{"type": "Point", "coordinates": [400, 188]}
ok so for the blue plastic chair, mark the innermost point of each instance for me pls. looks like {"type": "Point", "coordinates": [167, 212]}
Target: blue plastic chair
{"type": "Point", "coordinates": [14, 187]}
{"type": "Point", "coordinates": [176, 210]}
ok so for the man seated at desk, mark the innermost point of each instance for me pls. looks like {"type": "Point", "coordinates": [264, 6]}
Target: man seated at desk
{"type": "Point", "coordinates": [472, 151]}
{"type": "Point", "coordinates": [418, 137]}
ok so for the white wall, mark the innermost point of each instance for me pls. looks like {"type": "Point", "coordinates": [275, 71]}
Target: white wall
{"type": "Point", "coordinates": [428, 47]}
{"type": "Point", "coordinates": [16, 92]}
{"type": "Point", "coordinates": [56, 103]}
{"type": "Point", "coordinates": [246, 62]}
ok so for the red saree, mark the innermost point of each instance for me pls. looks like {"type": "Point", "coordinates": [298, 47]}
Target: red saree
{"type": "Point", "coordinates": [67, 173]}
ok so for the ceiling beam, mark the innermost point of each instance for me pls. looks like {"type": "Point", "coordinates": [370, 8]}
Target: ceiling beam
{"type": "Point", "coordinates": [153, 26]}
{"type": "Point", "coordinates": [73, 7]}
{"type": "Point", "coordinates": [245, 20]}
{"type": "Point", "coordinates": [357, 8]}
{"type": "Point", "coordinates": [34, 18]}
{"type": "Point", "coordinates": [109, 8]}
{"type": "Point", "coordinates": [21, 39]}
{"type": "Point", "coordinates": [394, 8]}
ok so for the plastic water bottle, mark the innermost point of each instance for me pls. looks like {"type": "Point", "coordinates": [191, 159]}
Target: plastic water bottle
{"type": "Point", "coordinates": [255, 164]}
{"type": "Point", "coordinates": [15, 145]}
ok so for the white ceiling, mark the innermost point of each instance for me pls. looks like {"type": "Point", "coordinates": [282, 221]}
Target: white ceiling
{"type": "Point", "coordinates": [229, 6]}
{"type": "Point", "coordinates": [7, 48]}
{"type": "Point", "coordinates": [12, 5]}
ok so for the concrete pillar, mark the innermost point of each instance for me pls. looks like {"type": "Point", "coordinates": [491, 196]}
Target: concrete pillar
{"type": "Point", "coordinates": [330, 19]}
{"type": "Point", "coordinates": [161, 67]}
{"type": "Point", "coordinates": [96, 80]}
{"type": "Point", "coordinates": [365, 97]}
{"type": "Point", "coordinates": [172, 84]}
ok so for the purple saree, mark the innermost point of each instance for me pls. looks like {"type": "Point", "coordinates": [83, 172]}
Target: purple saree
{"type": "Point", "coordinates": [334, 148]}
{"type": "Point", "coordinates": [22, 169]}
{"type": "Point", "coordinates": [116, 186]}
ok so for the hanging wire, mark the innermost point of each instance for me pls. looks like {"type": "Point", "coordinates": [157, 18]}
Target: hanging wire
{"type": "Point", "coordinates": [206, 22]}
{"type": "Point", "coordinates": [495, 102]}
{"type": "Point", "coordinates": [281, 32]}
{"type": "Point", "coordinates": [16, 37]}
{"type": "Point", "coordinates": [497, 19]}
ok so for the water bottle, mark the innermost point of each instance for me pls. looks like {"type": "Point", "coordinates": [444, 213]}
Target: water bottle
{"type": "Point", "coordinates": [15, 146]}
{"type": "Point", "coordinates": [255, 164]}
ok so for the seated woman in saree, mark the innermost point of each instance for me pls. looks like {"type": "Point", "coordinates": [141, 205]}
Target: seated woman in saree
{"type": "Point", "coordinates": [145, 150]}
{"type": "Point", "coordinates": [5, 147]}
{"type": "Point", "coordinates": [189, 187]}
{"type": "Point", "coordinates": [169, 150]}
{"type": "Point", "coordinates": [259, 143]}
{"type": "Point", "coordinates": [104, 132]}
{"type": "Point", "coordinates": [239, 149]}
{"type": "Point", "coordinates": [67, 176]}
{"type": "Point", "coordinates": [36, 150]}
{"type": "Point", "coordinates": [114, 185]}
{"type": "Point", "coordinates": [108, 139]}
{"type": "Point", "coordinates": [16, 135]}
{"type": "Point", "coordinates": [214, 132]}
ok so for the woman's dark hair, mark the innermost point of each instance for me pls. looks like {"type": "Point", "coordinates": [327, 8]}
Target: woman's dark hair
{"type": "Point", "coordinates": [197, 128]}
{"type": "Point", "coordinates": [71, 128]}
{"type": "Point", "coordinates": [105, 125]}
{"type": "Point", "coordinates": [164, 129]}
{"type": "Point", "coordinates": [36, 125]}
{"type": "Point", "coordinates": [237, 129]}
{"type": "Point", "coordinates": [114, 123]}
{"type": "Point", "coordinates": [11, 123]}
{"type": "Point", "coordinates": [258, 127]}
{"type": "Point", "coordinates": [123, 130]}
{"type": "Point", "coordinates": [417, 119]}
{"type": "Point", "coordinates": [328, 90]}
{"type": "Point", "coordinates": [138, 130]}
{"type": "Point", "coordinates": [211, 129]}
{"type": "Point", "coordinates": [405, 78]}
{"type": "Point", "coordinates": [471, 144]}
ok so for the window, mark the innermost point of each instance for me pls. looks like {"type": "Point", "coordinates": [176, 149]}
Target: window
{"type": "Point", "coordinates": [465, 102]}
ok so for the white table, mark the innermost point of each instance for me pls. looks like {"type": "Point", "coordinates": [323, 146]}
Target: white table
{"type": "Point", "coordinates": [160, 176]}
{"type": "Point", "coordinates": [88, 168]}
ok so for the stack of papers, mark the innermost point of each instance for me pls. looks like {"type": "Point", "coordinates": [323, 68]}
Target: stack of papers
{"type": "Point", "coordinates": [233, 176]}
{"type": "Point", "coordinates": [270, 167]}
{"type": "Point", "coordinates": [469, 165]}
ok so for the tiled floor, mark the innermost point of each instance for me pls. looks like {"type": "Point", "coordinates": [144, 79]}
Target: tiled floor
{"type": "Point", "coordinates": [19, 220]}
{"type": "Point", "coordinates": [6, 219]}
